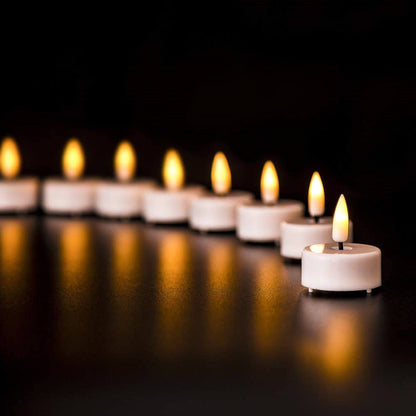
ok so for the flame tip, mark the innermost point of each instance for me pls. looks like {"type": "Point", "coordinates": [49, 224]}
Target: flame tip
{"type": "Point", "coordinates": [10, 159]}
{"type": "Point", "coordinates": [125, 161]}
{"type": "Point", "coordinates": [73, 160]}
{"type": "Point", "coordinates": [269, 183]}
{"type": "Point", "coordinates": [173, 171]}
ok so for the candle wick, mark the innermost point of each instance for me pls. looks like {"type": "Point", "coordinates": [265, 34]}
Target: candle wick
{"type": "Point", "coordinates": [340, 245]}
{"type": "Point", "coordinates": [316, 218]}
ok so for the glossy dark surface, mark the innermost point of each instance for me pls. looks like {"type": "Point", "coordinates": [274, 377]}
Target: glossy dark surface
{"type": "Point", "coordinates": [102, 317]}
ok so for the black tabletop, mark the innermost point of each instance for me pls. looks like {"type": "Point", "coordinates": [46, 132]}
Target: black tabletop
{"type": "Point", "coordinates": [106, 317]}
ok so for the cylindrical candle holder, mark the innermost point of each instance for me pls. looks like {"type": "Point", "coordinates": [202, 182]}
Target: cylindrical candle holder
{"type": "Point", "coordinates": [259, 222]}
{"type": "Point", "coordinates": [212, 212]}
{"type": "Point", "coordinates": [121, 200]}
{"type": "Point", "coordinates": [354, 268]}
{"type": "Point", "coordinates": [61, 196]}
{"type": "Point", "coordinates": [298, 233]}
{"type": "Point", "coordinates": [164, 206]}
{"type": "Point", "coordinates": [19, 195]}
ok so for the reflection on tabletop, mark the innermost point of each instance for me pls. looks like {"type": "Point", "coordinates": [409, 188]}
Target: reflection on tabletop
{"type": "Point", "coordinates": [90, 297]}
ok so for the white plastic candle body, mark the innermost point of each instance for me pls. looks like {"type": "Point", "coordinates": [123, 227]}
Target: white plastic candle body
{"type": "Point", "coordinates": [258, 222]}
{"type": "Point", "coordinates": [165, 206]}
{"type": "Point", "coordinates": [61, 196]}
{"type": "Point", "coordinates": [298, 233]}
{"type": "Point", "coordinates": [211, 212]}
{"type": "Point", "coordinates": [19, 195]}
{"type": "Point", "coordinates": [121, 200]}
{"type": "Point", "coordinates": [356, 267]}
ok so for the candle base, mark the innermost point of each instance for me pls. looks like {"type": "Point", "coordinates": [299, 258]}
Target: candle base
{"type": "Point", "coordinates": [64, 197]}
{"type": "Point", "coordinates": [355, 268]}
{"type": "Point", "coordinates": [217, 213]}
{"type": "Point", "coordinates": [121, 200]}
{"type": "Point", "coordinates": [260, 223]}
{"type": "Point", "coordinates": [19, 195]}
{"type": "Point", "coordinates": [162, 206]}
{"type": "Point", "coordinates": [299, 233]}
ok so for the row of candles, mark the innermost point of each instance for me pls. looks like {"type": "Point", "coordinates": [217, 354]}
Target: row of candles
{"type": "Point", "coordinates": [325, 266]}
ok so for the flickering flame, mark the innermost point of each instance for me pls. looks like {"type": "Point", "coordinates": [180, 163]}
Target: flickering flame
{"type": "Point", "coordinates": [220, 174]}
{"type": "Point", "coordinates": [73, 161]}
{"type": "Point", "coordinates": [9, 158]}
{"type": "Point", "coordinates": [125, 161]}
{"type": "Point", "coordinates": [173, 170]}
{"type": "Point", "coordinates": [316, 196]}
{"type": "Point", "coordinates": [269, 183]}
{"type": "Point", "coordinates": [340, 221]}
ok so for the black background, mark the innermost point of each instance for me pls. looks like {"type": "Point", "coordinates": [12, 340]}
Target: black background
{"type": "Point", "coordinates": [311, 85]}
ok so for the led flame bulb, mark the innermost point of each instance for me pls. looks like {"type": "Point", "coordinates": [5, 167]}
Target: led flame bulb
{"type": "Point", "coordinates": [9, 158]}
{"type": "Point", "coordinates": [269, 183]}
{"type": "Point", "coordinates": [173, 170]}
{"type": "Point", "coordinates": [73, 161]}
{"type": "Point", "coordinates": [316, 196]}
{"type": "Point", "coordinates": [220, 174]}
{"type": "Point", "coordinates": [341, 221]}
{"type": "Point", "coordinates": [125, 161]}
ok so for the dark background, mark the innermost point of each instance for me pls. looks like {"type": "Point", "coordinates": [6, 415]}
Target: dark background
{"type": "Point", "coordinates": [311, 85]}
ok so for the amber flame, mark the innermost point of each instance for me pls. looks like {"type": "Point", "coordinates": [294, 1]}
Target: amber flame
{"type": "Point", "coordinates": [73, 161]}
{"type": "Point", "coordinates": [340, 221]}
{"type": "Point", "coordinates": [125, 161]}
{"type": "Point", "coordinates": [269, 183]}
{"type": "Point", "coordinates": [173, 170]}
{"type": "Point", "coordinates": [316, 196]}
{"type": "Point", "coordinates": [220, 174]}
{"type": "Point", "coordinates": [9, 158]}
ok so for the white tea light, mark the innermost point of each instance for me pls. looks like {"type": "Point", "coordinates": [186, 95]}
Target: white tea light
{"type": "Point", "coordinates": [69, 195]}
{"type": "Point", "coordinates": [171, 204]}
{"type": "Point", "coordinates": [217, 211]}
{"type": "Point", "coordinates": [341, 267]}
{"type": "Point", "coordinates": [16, 194]}
{"type": "Point", "coordinates": [122, 198]}
{"type": "Point", "coordinates": [260, 221]}
{"type": "Point", "coordinates": [298, 233]}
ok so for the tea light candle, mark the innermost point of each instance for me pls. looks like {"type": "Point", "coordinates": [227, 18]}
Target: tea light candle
{"type": "Point", "coordinates": [260, 221]}
{"type": "Point", "coordinates": [217, 211]}
{"type": "Point", "coordinates": [171, 204]}
{"type": "Point", "coordinates": [341, 267]}
{"type": "Point", "coordinates": [298, 233]}
{"type": "Point", "coordinates": [122, 198]}
{"type": "Point", "coordinates": [69, 195]}
{"type": "Point", "coordinates": [16, 194]}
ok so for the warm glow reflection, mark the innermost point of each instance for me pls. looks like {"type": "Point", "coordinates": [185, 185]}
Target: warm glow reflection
{"type": "Point", "coordinates": [126, 280]}
{"type": "Point", "coordinates": [340, 221]}
{"type": "Point", "coordinates": [74, 288]}
{"type": "Point", "coordinates": [317, 248]}
{"type": "Point", "coordinates": [9, 158]}
{"type": "Point", "coordinates": [125, 161]}
{"type": "Point", "coordinates": [335, 341]}
{"type": "Point", "coordinates": [173, 294]}
{"type": "Point", "coordinates": [268, 292]}
{"type": "Point", "coordinates": [73, 161]}
{"type": "Point", "coordinates": [269, 183]}
{"type": "Point", "coordinates": [126, 252]}
{"type": "Point", "coordinates": [221, 295]}
{"type": "Point", "coordinates": [220, 174]}
{"type": "Point", "coordinates": [316, 196]}
{"type": "Point", "coordinates": [75, 241]}
{"type": "Point", "coordinates": [341, 348]}
{"type": "Point", "coordinates": [173, 170]}
{"type": "Point", "coordinates": [17, 294]}
{"type": "Point", "coordinates": [13, 256]}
